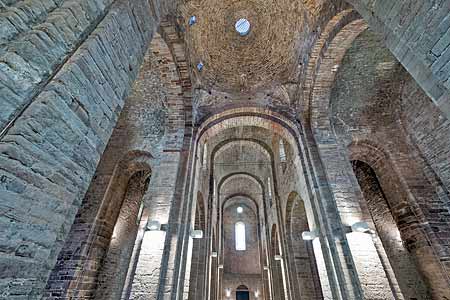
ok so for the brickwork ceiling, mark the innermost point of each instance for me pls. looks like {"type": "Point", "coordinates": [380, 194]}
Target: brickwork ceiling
{"type": "Point", "coordinates": [267, 55]}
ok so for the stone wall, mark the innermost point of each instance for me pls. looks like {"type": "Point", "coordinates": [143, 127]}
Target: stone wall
{"type": "Point", "coordinates": [409, 279]}
{"type": "Point", "coordinates": [151, 122]}
{"type": "Point", "coordinates": [66, 69]}
{"type": "Point", "coordinates": [365, 106]}
{"type": "Point", "coordinates": [429, 129]}
{"type": "Point", "coordinates": [417, 33]}
{"type": "Point", "coordinates": [235, 261]}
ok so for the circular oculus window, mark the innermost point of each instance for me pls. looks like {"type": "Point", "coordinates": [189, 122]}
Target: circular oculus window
{"type": "Point", "coordinates": [242, 26]}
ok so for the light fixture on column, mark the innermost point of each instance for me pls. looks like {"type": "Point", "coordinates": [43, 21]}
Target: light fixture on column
{"type": "Point", "coordinates": [228, 292]}
{"type": "Point", "coordinates": [220, 266]}
{"type": "Point", "coordinates": [278, 257]}
{"type": "Point", "coordinates": [153, 225]}
{"type": "Point", "coordinates": [266, 268]}
{"type": "Point", "coordinates": [309, 235]}
{"type": "Point", "coordinates": [257, 294]}
{"type": "Point", "coordinates": [196, 234]}
{"type": "Point", "coordinates": [360, 227]}
{"type": "Point", "coordinates": [213, 254]}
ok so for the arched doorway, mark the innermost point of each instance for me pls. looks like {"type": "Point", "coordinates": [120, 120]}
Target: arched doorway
{"type": "Point", "coordinates": [242, 293]}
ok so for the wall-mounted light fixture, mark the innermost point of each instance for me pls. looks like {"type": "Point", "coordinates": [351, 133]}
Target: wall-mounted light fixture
{"type": "Point", "coordinates": [192, 20]}
{"type": "Point", "coordinates": [360, 227]}
{"type": "Point", "coordinates": [309, 235]}
{"type": "Point", "coordinates": [213, 254]}
{"type": "Point", "coordinates": [196, 234]}
{"type": "Point", "coordinates": [257, 294]}
{"type": "Point", "coordinates": [266, 268]}
{"type": "Point", "coordinates": [153, 225]}
{"type": "Point", "coordinates": [278, 257]}
{"type": "Point", "coordinates": [228, 292]}
{"type": "Point", "coordinates": [220, 266]}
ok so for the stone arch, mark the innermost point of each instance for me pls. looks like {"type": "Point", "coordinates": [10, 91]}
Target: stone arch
{"type": "Point", "coordinates": [112, 275]}
{"type": "Point", "coordinates": [242, 292]}
{"type": "Point", "coordinates": [390, 194]}
{"type": "Point", "coordinates": [339, 38]}
{"type": "Point", "coordinates": [292, 133]}
{"type": "Point", "coordinates": [248, 142]}
{"type": "Point", "coordinates": [256, 207]}
{"type": "Point", "coordinates": [334, 158]}
{"type": "Point", "coordinates": [406, 275]}
{"type": "Point", "coordinates": [257, 144]}
{"type": "Point", "coordinates": [262, 118]}
{"type": "Point", "coordinates": [415, 34]}
{"type": "Point", "coordinates": [253, 178]}
{"type": "Point", "coordinates": [332, 28]}
{"type": "Point", "coordinates": [248, 116]}
{"type": "Point", "coordinates": [165, 47]}
{"type": "Point", "coordinates": [301, 254]}
{"type": "Point", "coordinates": [117, 222]}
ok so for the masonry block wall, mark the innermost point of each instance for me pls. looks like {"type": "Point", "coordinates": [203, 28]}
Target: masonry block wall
{"type": "Point", "coordinates": [418, 34]}
{"type": "Point", "coordinates": [66, 68]}
{"type": "Point", "coordinates": [72, 115]}
{"type": "Point", "coordinates": [411, 283]}
{"type": "Point", "coordinates": [366, 109]}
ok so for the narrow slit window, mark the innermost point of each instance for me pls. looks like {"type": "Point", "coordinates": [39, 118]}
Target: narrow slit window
{"type": "Point", "coordinates": [205, 155]}
{"type": "Point", "coordinates": [240, 236]}
{"type": "Point", "coordinates": [282, 152]}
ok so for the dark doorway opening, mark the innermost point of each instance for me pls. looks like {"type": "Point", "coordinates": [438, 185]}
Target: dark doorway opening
{"type": "Point", "coordinates": [242, 293]}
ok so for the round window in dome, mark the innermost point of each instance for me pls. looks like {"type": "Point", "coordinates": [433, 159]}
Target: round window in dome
{"type": "Point", "coordinates": [242, 26]}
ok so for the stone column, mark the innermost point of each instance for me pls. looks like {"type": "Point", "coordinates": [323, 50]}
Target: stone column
{"type": "Point", "coordinates": [154, 276]}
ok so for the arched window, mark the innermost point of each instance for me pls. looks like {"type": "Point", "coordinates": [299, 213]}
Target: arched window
{"type": "Point", "coordinates": [269, 187]}
{"type": "Point", "coordinates": [282, 151]}
{"type": "Point", "coordinates": [205, 155]}
{"type": "Point", "coordinates": [240, 236]}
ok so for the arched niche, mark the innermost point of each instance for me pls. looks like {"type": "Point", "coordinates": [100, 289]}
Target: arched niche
{"type": "Point", "coordinates": [118, 223]}
{"type": "Point", "coordinates": [407, 275]}
{"type": "Point", "coordinates": [301, 253]}
{"type": "Point", "coordinates": [389, 201]}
